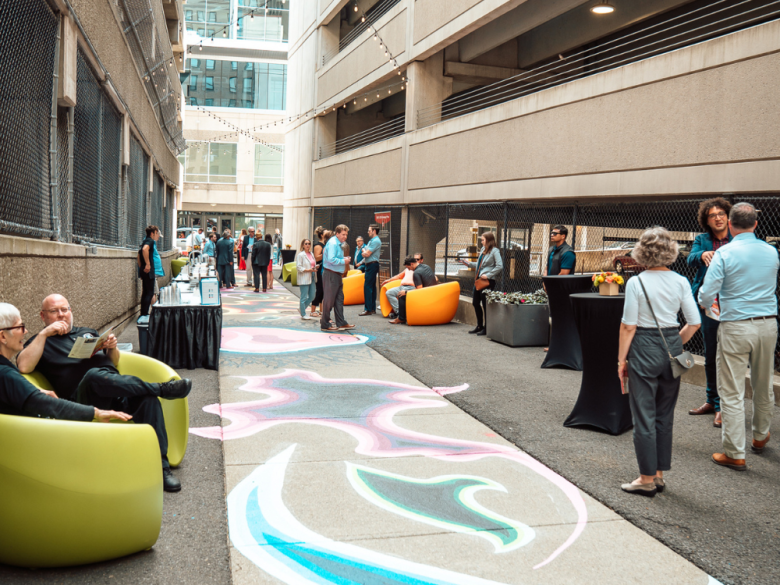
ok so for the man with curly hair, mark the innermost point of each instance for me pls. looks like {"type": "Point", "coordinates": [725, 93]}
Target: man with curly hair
{"type": "Point", "coordinates": [714, 220]}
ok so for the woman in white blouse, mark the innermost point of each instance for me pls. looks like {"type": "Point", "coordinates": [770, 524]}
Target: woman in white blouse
{"type": "Point", "coordinates": [643, 357]}
{"type": "Point", "coordinates": [307, 276]}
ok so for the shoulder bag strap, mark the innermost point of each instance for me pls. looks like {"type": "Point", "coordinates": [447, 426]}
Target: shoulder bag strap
{"type": "Point", "coordinates": [649, 304]}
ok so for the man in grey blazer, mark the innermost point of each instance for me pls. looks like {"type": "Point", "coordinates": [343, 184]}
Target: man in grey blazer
{"type": "Point", "coordinates": [261, 256]}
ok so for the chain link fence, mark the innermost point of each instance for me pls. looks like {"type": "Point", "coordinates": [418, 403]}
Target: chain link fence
{"type": "Point", "coordinates": [602, 234]}
{"type": "Point", "coordinates": [358, 219]}
{"type": "Point", "coordinates": [96, 161]}
{"type": "Point", "coordinates": [136, 190]}
{"type": "Point", "coordinates": [28, 48]}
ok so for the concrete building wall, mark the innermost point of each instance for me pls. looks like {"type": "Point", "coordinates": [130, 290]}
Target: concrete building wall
{"type": "Point", "coordinates": [100, 21]}
{"type": "Point", "coordinates": [101, 287]}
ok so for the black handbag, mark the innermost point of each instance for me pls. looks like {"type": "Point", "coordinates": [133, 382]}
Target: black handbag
{"type": "Point", "coordinates": [681, 363]}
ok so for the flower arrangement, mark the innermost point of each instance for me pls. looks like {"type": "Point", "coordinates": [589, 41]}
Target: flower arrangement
{"type": "Point", "coordinates": [536, 298]}
{"type": "Point", "coordinates": [608, 277]}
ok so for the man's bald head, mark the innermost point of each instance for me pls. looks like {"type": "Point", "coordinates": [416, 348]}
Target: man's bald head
{"type": "Point", "coordinates": [56, 308]}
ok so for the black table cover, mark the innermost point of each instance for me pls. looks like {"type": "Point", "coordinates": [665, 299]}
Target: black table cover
{"type": "Point", "coordinates": [600, 403]}
{"type": "Point", "coordinates": [564, 349]}
{"type": "Point", "coordinates": [186, 336]}
{"type": "Point", "coordinates": [288, 256]}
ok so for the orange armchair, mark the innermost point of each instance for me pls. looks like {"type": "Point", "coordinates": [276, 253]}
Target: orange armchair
{"type": "Point", "coordinates": [353, 289]}
{"type": "Point", "coordinates": [383, 302]}
{"type": "Point", "coordinates": [433, 305]}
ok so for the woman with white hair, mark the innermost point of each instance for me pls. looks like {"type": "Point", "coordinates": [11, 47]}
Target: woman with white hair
{"type": "Point", "coordinates": [650, 338]}
{"type": "Point", "coordinates": [20, 397]}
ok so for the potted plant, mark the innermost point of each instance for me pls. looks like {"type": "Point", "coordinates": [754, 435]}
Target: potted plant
{"type": "Point", "coordinates": [608, 283]}
{"type": "Point", "coordinates": [518, 319]}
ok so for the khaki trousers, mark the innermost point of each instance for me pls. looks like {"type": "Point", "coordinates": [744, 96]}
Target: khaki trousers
{"type": "Point", "coordinates": [741, 343]}
{"type": "Point", "coordinates": [249, 270]}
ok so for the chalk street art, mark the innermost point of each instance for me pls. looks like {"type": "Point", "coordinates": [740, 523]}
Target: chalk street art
{"type": "Point", "coordinates": [365, 409]}
{"type": "Point", "coordinates": [266, 532]}
{"type": "Point", "coordinates": [267, 340]}
{"type": "Point", "coordinates": [447, 502]}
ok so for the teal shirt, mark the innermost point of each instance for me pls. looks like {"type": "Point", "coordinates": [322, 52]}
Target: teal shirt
{"type": "Point", "coordinates": [157, 262]}
{"type": "Point", "coordinates": [374, 245]}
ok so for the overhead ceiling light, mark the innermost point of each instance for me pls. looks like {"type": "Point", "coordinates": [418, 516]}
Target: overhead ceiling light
{"type": "Point", "coordinates": [213, 204]}
{"type": "Point", "coordinates": [602, 8]}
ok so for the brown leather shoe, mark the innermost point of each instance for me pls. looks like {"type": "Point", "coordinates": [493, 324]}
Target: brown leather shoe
{"type": "Point", "coordinates": [718, 422]}
{"type": "Point", "coordinates": [726, 461]}
{"type": "Point", "coordinates": [346, 327]}
{"type": "Point", "coordinates": [364, 313]}
{"type": "Point", "coordinates": [395, 321]}
{"type": "Point", "coordinates": [705, 408]}
{"type": "Point", "coordinates": [758, 446]}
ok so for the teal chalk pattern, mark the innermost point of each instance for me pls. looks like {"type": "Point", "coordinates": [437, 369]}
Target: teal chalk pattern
{"type": "Point", "coordinates": [447, 502]}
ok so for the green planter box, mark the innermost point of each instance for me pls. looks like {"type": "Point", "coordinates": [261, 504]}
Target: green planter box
{"type": "Point", "coordinates": [518, 325]}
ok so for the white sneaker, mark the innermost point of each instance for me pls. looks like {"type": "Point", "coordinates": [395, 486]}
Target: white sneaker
{"type": "Point", "coordinates": [306, 318]}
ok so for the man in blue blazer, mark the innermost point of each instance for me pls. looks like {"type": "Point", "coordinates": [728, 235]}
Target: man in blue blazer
{"type": "Point", "coordinates": [714, 219]}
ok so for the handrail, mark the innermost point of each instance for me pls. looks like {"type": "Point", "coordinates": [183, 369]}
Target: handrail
{"type": "Point", "coordinates": [558, 73]}
{"type": "Point", "coordinates": [376, 12]}
{"type": "Point", "coordinates": [373, 135]}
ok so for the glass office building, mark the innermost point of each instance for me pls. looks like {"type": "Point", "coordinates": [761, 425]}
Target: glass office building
{"type": "Point", "coordinates": [252, 20]}
{"type": "Point", "coordinates": [236, 84]}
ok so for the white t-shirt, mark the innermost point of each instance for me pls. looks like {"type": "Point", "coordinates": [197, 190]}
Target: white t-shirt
{"type": "Point", "coordinates": [408, 277]}
{"type": "Point", "coordinates": [669, 292]}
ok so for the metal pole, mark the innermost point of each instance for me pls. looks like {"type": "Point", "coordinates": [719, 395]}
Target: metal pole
{"type": "Point", "coordinates": [505, 245]}
{"type": "Point", "coordinates": [446, 239]}
{"type": "Point", "coordinates": [574, 234]}
{"type": "Point", "coordinates": [68, 219]}
{"type": "Point", "coordinates": [54, 191]}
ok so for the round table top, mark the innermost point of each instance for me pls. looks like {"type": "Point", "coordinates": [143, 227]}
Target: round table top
{"type": "Point", "coordinates": [596, 296]}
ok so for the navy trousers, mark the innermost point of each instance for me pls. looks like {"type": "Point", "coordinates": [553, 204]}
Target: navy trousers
{"type": "Point", "coordinates": [369, 287]}
{"type": "Point", "coordinates": [709, 331]}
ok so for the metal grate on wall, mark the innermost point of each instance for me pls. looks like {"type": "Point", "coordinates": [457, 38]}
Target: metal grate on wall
{"type": "Point", "coordinates": [157, 210]}
{"type": "Point", "coordinates": [96, 164]}
{"type": "Point", "coordinates": [26, 109]}
{"type": "Point", "coordinates": [135, 193]}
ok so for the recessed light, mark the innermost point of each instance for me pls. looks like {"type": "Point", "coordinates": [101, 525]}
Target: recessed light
{"type": "Point", "coordinates": [602, 8]}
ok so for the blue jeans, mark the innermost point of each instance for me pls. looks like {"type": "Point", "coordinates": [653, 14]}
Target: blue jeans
{"type": "Point", "coordinates": [307, 295]}
{"type": "Point", "coordinates": [709, 331]}
{"type": "Point", "coordinates": [369, 288]}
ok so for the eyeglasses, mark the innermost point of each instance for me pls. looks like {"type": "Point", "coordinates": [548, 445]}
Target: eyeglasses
{"type": "Point", "coordinates": [22, 327]}
{"type": "Point", "coordinates": [64, 311]}
{"type": "Point", "coordinates": [307, 244]}
{"type": "Point", "coordinates": [555, 233]}
{"type": "Point", "coordinates": [717, 215]}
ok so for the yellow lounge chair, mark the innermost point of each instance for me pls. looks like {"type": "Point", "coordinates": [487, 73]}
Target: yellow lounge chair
{"type": "Point", "coordinates": [176, 412]}
{"type": "Point", "coordinates": [73, 493]}
{"type": "Point", "coordinates": [290, 271]}
{"type": "Point", "coordinates": [383, 302]}
{"type": "Point", "coordinates": [432, 305]}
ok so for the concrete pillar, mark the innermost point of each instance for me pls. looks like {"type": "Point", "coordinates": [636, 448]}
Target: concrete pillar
{"type": "Point", "coordinates": [66, 87]}
{"type": "Point", "coordinates": [427, 87]}
{"type": "Point", "coordinates": [329, 39]}
{"type": "Point", "coordinates": [326, 131]}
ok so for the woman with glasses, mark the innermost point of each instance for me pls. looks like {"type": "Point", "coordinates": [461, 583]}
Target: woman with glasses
{"type": "Point", "coordinates": [307, 276]}
{"type": "Point", "coordinates": [653, 301]}
{"type": "Point", "coordinates": [714, 220]}
{"type": "Point", "coordinates": [19, 397]}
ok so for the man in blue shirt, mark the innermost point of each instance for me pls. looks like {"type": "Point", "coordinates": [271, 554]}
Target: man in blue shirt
{"type": "Point", "coordinates": [562, 257]}
{"type": "Point", "coordinates": [333, 263]}
{"type": "Point", "coordinates": [370, 254]}
{"type": "Point", "coordinates": [743, 275]}
{"type": "Point", "coordinates": [714, 220]}
{"type": "Point", "coordinates": [359, 264]}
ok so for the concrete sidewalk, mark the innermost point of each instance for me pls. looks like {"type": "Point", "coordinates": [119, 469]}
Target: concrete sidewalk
{"type": "Point", "coordinates": [342, 466]}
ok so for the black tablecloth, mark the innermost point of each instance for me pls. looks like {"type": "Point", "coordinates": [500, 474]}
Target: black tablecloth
{"type": "Point", "coordinates": [186, 336]}
{"type": "Point", "coordinates": [564, 349]}
{"type": "Point", "coordinates": [288, 256]}
{"type": "Point", "coordinates": [600, 403]}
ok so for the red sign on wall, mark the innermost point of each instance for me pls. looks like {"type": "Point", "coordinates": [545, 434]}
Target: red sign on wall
{"type": "Point", "coordinates": [382, 218]}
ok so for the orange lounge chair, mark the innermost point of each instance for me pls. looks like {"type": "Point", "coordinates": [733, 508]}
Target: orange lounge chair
{"type": "Point", "coordinates": [353, 289]}
{"type": "Point", "coordinates": [383, 302]}
{"type": "Point", "coordinates": [433, 305]}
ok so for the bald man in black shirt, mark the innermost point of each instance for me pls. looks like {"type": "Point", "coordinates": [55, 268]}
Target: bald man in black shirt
{"type": "Point", "coordinates": [96, 381]}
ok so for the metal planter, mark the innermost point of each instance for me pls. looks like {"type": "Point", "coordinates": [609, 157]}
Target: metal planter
{"type": "Point", "coordinates": [518, 325]}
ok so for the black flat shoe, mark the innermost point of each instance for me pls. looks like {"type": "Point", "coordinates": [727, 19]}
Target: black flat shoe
{"type": "Point", "coordinates": [483, 332]}
{"type": "Point", "coordinates": [170, 483]}
{"type": "Point", "coordinates": [477, 330]}
{"type": "Point", "coordinates": [175, 389]}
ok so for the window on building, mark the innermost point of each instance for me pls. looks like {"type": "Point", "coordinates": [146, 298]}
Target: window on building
{"type": "Point", "coordinates": [209, 102]}
{"type": "Point", "coordinates": [208, 17]}
{"type": "Point", "coordinates": [209, 63]}
{"type": "Point", "coordinates": [215, 162]}
{"type": "Point", "coordinates": [264, 20]}
{"type": "Point", "coordinates": [240, 84]}
{"type": "Point", "coordinates": [269, 164]}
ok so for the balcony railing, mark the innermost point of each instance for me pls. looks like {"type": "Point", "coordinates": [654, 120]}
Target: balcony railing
{"type": "Point", "coordinates": [376, 12]}
{"type": "Point", "coordinates": [379, 133]}
{"type": "Point", "coordinates": [708, 21]}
